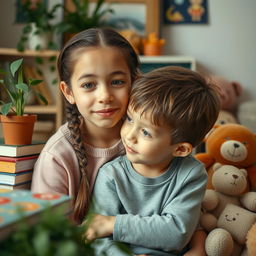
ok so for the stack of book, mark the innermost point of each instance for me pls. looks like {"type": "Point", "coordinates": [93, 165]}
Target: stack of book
{"type": "Point", "coordinates": [17, 163]}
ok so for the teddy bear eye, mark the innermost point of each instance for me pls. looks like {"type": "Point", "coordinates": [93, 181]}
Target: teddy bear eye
{"type": "Point", "coordinates": [227, 138]}
{"type": "Point", "coordinates": [225, 173]}
{"type": "Point", "coordinates": [234, 219]}
{"type": "Point", "coordinates": [245, 143]}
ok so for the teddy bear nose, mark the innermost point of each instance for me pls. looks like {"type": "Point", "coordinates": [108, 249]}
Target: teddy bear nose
{"type": "Point", "coordinates": [236, 145]}
{"type": "Point", "coordinates": [234, 176]}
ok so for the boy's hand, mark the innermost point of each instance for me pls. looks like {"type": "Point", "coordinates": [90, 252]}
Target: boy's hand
{"type": "Point", "coordinates": [99, 226]}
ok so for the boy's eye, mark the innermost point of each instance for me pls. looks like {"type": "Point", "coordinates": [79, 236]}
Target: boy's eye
{"type": "Point", "coordinates": [146, 133]}
{"type": "Point", "coordinates": [117, 82]}
{"type": "Point", "coordinates": [129, 120]}
{"type": "Point", "coordinates": [88, 85]}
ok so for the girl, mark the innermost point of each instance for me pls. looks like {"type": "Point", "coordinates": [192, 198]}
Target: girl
{"type": "Point", "coordinates": [96, 69]}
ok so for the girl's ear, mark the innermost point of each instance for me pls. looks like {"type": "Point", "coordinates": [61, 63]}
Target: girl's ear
{"type": "Point", "coordinates": [67, 92]}
{"type": "Point", "coordinates": [183, 149]}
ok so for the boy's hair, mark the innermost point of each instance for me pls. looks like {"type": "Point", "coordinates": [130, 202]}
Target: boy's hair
{"type": "Point", "coordinates": [180, 98]}
{"type": "Point", "coordinates": [66, 61]}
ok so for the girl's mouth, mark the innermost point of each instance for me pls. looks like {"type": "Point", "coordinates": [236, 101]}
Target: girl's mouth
{"type": "Point", "coordinates": [106, 112]}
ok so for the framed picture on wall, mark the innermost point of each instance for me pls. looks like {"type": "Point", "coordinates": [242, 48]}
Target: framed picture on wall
{"type": "Point", "coordinates": [139, 15]}
{"type": "Point", "coordinates": [148, 63]}
{"type": "Point", "coordinates": [185, 11]}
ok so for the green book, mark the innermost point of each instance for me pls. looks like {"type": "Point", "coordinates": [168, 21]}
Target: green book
{"type": "Point", "coordinates": [20, 150]}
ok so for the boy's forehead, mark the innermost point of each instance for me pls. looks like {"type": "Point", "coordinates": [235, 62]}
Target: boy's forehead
{"type": "Point", "coordinates": [146, 116]}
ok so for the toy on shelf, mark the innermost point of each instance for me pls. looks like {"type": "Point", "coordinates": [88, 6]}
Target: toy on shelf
{"type": "Point", "coordinates": [134, 39]}
{"type": "Point", "coordinates": [231, 144]}
{"type": "Point", "coordinates": [153, 45]}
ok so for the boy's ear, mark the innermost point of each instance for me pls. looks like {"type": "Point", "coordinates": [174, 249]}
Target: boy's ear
{"type": "Point", "coordinates": [67, 92]}
{"type": "Point", "coordinates": [183, 149]}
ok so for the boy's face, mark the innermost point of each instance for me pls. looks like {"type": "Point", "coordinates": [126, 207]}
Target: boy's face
{"type": "Point", "coordinates": [147, 145]}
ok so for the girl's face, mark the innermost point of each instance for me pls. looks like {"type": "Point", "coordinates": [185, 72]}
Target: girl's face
{"type": "Point", "coordinates": [101, 83]}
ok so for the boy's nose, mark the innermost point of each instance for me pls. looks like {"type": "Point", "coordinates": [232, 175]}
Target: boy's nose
{"type": "Point", "coordinates": [131, 135]}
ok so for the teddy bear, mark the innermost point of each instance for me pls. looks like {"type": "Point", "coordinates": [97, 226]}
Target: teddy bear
{"type": "Point", "coordinates": [231, 144]}
{"type": "Point", "coordinates": [229, 236]}
{"type": "Point", "coordinates": [251, 241]}
{"type": "Point", "coordinates": [230, 91]}
{"type": "Point", "coordinates": [229, 183]}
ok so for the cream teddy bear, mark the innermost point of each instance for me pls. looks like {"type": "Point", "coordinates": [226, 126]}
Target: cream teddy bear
{"type": "Point", "coordinates": [230, 235]}
{"type": "Point", "coordinates": [229, 183]}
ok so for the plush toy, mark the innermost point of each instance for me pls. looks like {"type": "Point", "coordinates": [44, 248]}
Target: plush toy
{"type": "Point", "coordinates": [229, 183]}
{"type": "Point", "coordinates": [134, 39]}
{"type": "Point", "coordinates": [251, 241]}
{"type": "Point", "coordinates": [230, 91]}
{"type": "Point", "coordinates": [231, 144]}
{"type": "Point", "coordinates": [229, 237]}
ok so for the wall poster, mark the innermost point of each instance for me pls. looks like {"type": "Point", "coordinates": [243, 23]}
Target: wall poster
{"type": "Point", "coordinates": [185, 12]}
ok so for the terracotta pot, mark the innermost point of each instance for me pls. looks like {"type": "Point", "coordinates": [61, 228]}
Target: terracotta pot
{"type": "Point", "coordinates": [18, 130]}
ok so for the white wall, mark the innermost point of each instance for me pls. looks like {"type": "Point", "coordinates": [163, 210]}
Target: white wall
{"type": "Point", "coordinates": [226, 46]}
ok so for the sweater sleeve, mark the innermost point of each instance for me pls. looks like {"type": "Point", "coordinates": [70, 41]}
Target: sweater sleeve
{"type": "Point", "coordinates": [172, 229]}
{"type": "Point", "coordinates": [49, 175]}
{"type": "Point", "coordinates": [105, 201]}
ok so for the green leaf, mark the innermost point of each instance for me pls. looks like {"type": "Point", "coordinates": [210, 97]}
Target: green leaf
{"type": "Point", "coordinates": [34, 82]}
{"type": "Point", "coordinates": [15, 65]}
{"type": "Point", "coordinates": [42, 98]}
{"type": "Point", "coordinates": [5, 109]}
{"type": "Point", "coordinates": [22, 86]}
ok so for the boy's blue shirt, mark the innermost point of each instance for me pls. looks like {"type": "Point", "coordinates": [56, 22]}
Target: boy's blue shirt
{"type": "Point", "coordinates": [154, 216]}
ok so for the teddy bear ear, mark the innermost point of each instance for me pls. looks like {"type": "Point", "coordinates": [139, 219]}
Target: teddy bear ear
{"type": "Point", "coordinates": [244, 172]}
{"type": "Point", "coordinates": [237, 88]}
{"type": "Point", "coordinates": [216, 166]}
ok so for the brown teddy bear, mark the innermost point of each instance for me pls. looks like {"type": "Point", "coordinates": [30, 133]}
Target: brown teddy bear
{"type": "Point", "coordinates": [231, 144]}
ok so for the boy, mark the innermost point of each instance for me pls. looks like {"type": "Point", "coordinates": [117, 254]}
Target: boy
{"type": "Point", "coordinates": [155, 190]}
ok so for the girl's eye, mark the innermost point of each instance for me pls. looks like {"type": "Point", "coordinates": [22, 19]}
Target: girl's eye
{"type": "Point", "coordinates": [146, 133]}
{"type": "Point", "coordinates": [117, 82]}
{"type": "Point", "coordinates": [88, 86]}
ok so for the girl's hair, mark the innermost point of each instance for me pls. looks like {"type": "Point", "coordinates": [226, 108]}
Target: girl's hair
{"type": "Point", "coordinates": [179, 98]}
{"type": "Point", "coordinates": [66, 60]}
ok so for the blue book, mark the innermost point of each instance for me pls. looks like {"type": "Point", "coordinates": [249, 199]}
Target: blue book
{"type": "Point", "coordinates": [31, 205]}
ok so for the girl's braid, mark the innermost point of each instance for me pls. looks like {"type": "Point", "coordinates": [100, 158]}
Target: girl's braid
{"type": "Point", "coordinates": [74, 122]}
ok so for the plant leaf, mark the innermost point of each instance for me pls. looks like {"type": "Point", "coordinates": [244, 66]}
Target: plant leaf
{"type": "Point", "coordinates": [34, 82]}
{"type": "Point", "coordinates": [15, 66]}
{"type": "Point", "coordinates": [5, 109]}
{"type": "Point", "coordinates": [22, 86]}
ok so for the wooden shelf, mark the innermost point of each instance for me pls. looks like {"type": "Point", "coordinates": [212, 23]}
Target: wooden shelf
{"type": "Point", "coordinates": [40, 109]}
{"type": "Point", "coordinates": [28, 53]}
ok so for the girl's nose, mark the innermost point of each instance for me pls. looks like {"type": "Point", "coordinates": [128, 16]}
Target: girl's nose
{"type": "Point", "coordinates": [105, 95]}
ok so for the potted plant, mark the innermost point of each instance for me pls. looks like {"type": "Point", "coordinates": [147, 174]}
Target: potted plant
{"type": "Point", "coordinates": [82, 17]}
{"type": "Point", "coordinates": [38, 29]}
{"type": "Point", "coordinates": [17, 126]}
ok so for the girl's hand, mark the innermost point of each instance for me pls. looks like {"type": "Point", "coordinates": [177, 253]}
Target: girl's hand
{"type": "Point", "coordinates": [99, 226]}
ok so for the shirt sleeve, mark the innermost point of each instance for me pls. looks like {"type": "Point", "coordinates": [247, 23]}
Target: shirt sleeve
{"type": "Point", "coordinates": [105, 201]}
{"type": "Point", "coordinates": [173, 227]}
